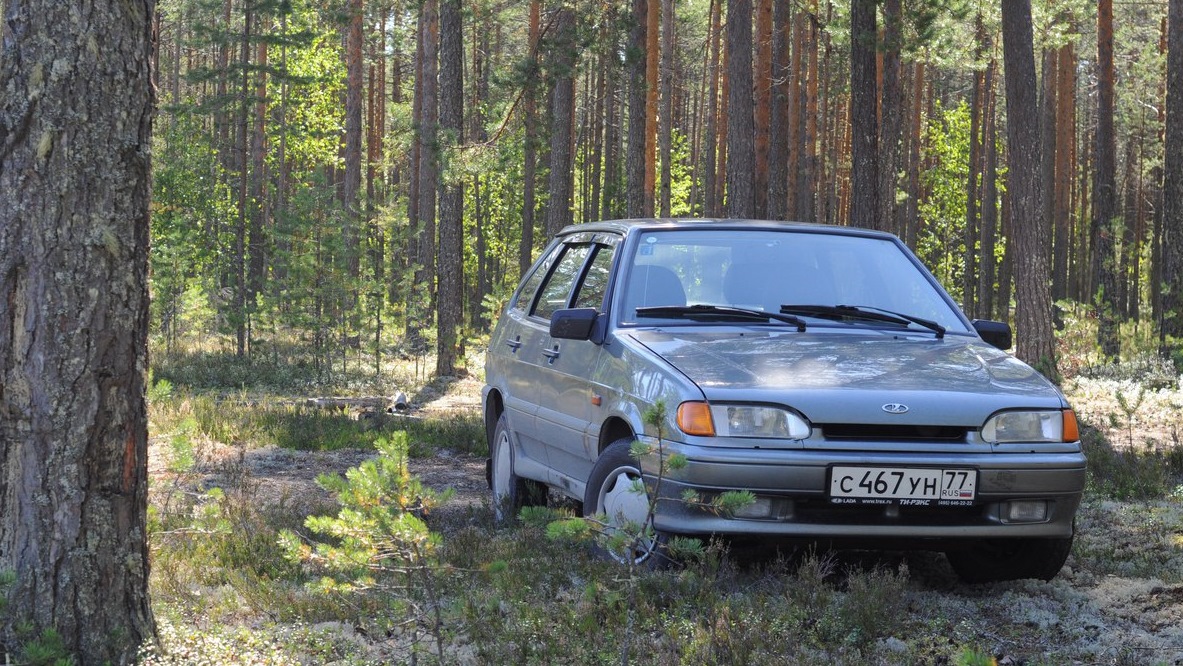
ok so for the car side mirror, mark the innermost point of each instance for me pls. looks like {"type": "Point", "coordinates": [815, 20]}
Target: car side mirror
{"type": "Point", "coordinates": [575, 324]}
{"type": "Point", "coordinates": [996, 333]}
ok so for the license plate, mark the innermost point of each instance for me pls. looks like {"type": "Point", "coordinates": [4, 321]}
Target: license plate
{"type": "Point", "coordinates": [904, 485]}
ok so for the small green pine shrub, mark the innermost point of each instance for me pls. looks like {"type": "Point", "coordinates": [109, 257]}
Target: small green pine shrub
{"type": "Point", "coordinates": [378, 544]}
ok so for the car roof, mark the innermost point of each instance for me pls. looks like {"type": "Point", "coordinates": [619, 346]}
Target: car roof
{"type": "Point", "coordinates": [626, 227]}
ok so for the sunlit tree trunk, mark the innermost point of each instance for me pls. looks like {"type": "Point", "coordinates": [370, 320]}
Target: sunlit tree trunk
{"type": "Point", "coordinates": [450, 302]}
{"type": "Point", "coordinates": [1033, 313]}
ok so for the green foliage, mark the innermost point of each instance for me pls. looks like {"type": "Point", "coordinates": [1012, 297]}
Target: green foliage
{"type": "Point", "coordinates": [378, 543]}
{"type": "Point", "coordinates": [974, 657]}
{"type": "Point", "coordinates": [47, 649]}
{"type": "Point", "coordinates": [1129, 473]}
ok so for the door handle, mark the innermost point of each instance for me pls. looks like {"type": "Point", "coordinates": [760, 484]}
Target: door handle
{"type": "Point", "coordinates": [551, 354]}
{"type": "Point", "coordinates": [514, 345]}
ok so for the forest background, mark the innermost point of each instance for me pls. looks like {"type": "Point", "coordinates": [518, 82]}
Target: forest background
{"type": "Point", "coordinates": [339, 181]}
{"type": "Point", "coordinates": [338, 186]}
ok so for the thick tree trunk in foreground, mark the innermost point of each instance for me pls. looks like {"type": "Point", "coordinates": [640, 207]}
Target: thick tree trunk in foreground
{"type": "Point", "coordinates": [74, 323]}
{"type": "Point", "coordinates": [1033, 294]}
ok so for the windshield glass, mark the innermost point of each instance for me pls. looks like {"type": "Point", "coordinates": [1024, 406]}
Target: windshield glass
{"type": "Point", "coordinates": [766, 270]}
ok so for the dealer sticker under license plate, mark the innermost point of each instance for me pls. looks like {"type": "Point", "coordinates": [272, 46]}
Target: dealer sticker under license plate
{"type": "Point", "coordinates": [906, 486]}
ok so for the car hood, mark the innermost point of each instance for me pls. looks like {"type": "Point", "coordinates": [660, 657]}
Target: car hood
{"type": "Point", "coordinates": [855, 377]}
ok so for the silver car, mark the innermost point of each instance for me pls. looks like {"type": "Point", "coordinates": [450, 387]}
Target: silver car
{"type": "Point", "coordinates": [823, 369]}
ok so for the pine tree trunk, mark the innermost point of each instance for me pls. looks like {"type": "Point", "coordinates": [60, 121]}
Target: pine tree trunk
{"type": "Point", "coordinates": [864, 124]}
{"type": "Point", "coordinates": [530, 150]}
{"type": "Point", "coordinates": [652, 87]}
{"type": "Point", "coordinates": [741, 149]}
{"type": "Point", "coordinates": [1172, 195]}
{"type": "Point", "coordinates": [1104, 259]}
{"type": "Point", "coordinates": [666, 125]}
{"type": "Point", "coordinates": [74, 325]}
{"type": "Point", "coordinates": [635, 62]}
{"type": "Point", "coordinates": [562, 135]}
{"type": "Point", "coordinates": [890, 126]}
{"type": "Point", "coordinates": [450, 303]}
{"type": "Point", "coordinates": [778, 117]}
{"type": "Point", "coordinates": [710, 161]}
{"type": "Point", "coordinates": [1033, 313]}
{"type": "Point", "coordinates": [762, 97]}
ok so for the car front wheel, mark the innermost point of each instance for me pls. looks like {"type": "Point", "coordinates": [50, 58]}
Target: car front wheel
{"type": "Point", "coordinates": [616, 495]}
{"type": "Point", "coordinates": [994, 560]}
{"type": "Point", "coordinates": [510, 491]}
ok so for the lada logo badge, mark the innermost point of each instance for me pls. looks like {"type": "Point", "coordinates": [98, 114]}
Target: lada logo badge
{"type": "Point", "coordinates": [895, 408]}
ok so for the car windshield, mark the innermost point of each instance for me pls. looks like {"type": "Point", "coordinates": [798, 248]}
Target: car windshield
{"type": "Point", "coordinates": [802, 273]}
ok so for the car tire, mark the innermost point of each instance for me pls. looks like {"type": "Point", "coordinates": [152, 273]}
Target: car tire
{"type": "Point", "coordinates": [611, 496]}
{"type": "Point", "coordinates": [994, 560]}
{"type": "Point", "coordinates": [510, 491]}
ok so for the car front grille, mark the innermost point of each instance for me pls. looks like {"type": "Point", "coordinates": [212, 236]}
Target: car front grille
{"type": "Point", "coordinates": [877, 432]}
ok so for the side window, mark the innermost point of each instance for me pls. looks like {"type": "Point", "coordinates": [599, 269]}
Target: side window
{"type": "Point", "coordinates": [556, 291]}
{"type": "Point", "coordinates": [530, 287]}
{"type": "Point", "coordinates": [595, 283]}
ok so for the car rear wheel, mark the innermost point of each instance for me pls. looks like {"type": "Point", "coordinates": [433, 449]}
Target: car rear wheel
{"type": "Point", "coordinates": [510, 491]}
{"type": "Point", "coordinates": [995, 560]}
{"type": "Point", "coordinates": [616, 496]}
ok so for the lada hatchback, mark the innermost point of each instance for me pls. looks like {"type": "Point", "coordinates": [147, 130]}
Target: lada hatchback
{"type": "Point", "coordinates": [822, 369]}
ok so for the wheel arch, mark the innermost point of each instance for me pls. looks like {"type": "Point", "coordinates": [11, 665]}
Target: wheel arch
{"type": "Point", "coordinates": [494, 406]}
{"type": "Point", "coordinates": [614, 429]}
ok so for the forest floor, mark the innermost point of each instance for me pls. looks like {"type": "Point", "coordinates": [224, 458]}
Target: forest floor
{"type": "Point", "coordinates": [1119, 599]}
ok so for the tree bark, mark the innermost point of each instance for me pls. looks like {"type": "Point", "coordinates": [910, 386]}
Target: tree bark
{"type": "Point", "coordinates": [530, 150]}
{"type": "Point", "coordinates": [864, 124]}
{"type": "Point", "coordinates": [1104, 258]}
{"type": "Point", "coordinates": [74, 324]}
{"type": "Point", "coordinates": [418, 309]}
{"type": "Point", "coordinates": [665, 140]}
{"type": "Point", "coordinates": [762, 97]}
{"type": "Point", "coordinates": [562, 136]}
{"type": "Point", "coordinates": [710, 161]}
{"type": "Point", "coordinates": [636, 160]}
{"type": "Point", "coordinates": [652, 87]}
{"type": "Point", "coordinates": [778, 117]}
{"type": "Point", "coordinates": [741, 149]}
{"type": "Point", "coordinates": [1172, 231]}
{"type": "Point", "coordinates": [1033, 311]}
{"type": "Point", "coordinates": [890, 125]}
{"type": "Point", "coordinates": [450, 303]}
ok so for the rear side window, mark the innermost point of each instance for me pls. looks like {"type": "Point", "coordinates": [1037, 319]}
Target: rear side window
{"type": "Point", "coordinates": [555, 293]}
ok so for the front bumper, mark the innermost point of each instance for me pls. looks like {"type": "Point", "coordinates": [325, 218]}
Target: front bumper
{"type": "Point", "coordinates": [792, 485]}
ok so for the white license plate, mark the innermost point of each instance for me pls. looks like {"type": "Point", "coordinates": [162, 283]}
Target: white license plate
{"type": "Point", "coordinates": [905, 485]}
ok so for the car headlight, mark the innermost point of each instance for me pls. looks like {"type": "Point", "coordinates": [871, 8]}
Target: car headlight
{"type": "Point", "coordinates": [758, 421]}
{"type": "Point", "coordinates": [1031, 426]}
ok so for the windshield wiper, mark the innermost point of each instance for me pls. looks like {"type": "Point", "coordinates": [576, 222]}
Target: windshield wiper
{"type": "Point", "coordinates": [704, 312]}
{"type": "Point", "coordinates": [863, 312]}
